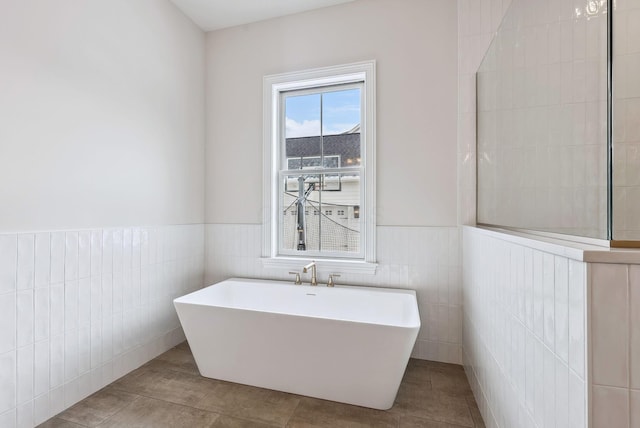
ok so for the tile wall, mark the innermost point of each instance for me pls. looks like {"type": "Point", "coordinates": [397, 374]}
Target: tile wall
{"type": "Point", "coordinates": [577, 38]}
{"type": "Point", "coordinates": [524, 333]}
{"type": "Point", "coordinates": [542, 119]}
{"type": "Point", "coordinates": [626, 118]}
{"type": "Point", "coordinates": [477, 22]}
{"type": "Point", "coordinates": [79, 309]}
{"type": "Point", "coordinates": [426, 259]}
{"type": "Point", "coordinates": [615, 348]}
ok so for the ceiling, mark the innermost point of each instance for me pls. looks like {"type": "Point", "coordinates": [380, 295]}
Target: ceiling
{"type": "Point", "coordinates": [216, 14]}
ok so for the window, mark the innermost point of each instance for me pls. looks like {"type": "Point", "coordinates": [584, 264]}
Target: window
{"type": "Point", "coordinates": [319, 156]}
{"type": "Point", "coordinates": [303, 162]}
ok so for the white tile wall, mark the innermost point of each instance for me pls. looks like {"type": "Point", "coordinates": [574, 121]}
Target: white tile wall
{"type": "Point", "coordinates": [526, 367]}
{"type": "Point", "coordinates": [577, 333]}
{"type": "Point", "coordinates": [634, 325]}
{"type": "Point", "coordinates": [626, 120]}
{"type": "Point", "coordinates": [569, 386]}
{"type": "Point", "coordinates": [615, 350]}
{"type": "Point", "coordinates": [79, 309]}
{"type": "Point", "coordinates": [610, 407]}
{"type": "Point", "coordinates": [634, 404]}
{"type": "Point", "coordinates": [542, 121]}
{"type": "Point", "coordinates": [570, 66]}
{"type": "Point", "coordinates": [610, 351]}
{"type": "Point", "coordinates": [477, 22]}
{"type": "Point", "coordinates": [425, 259]}
{"type": "Point", "coordinates": [8, 263]}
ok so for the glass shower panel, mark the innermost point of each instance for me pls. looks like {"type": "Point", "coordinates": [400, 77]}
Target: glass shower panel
{"type": "Point", "coordinates": [626, 121]}
{"type": "Point", "coordinates": [542, 120]}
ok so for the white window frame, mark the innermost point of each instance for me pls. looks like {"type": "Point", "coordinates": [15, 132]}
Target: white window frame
{"type": "Point", "coordinates": [317, 78]}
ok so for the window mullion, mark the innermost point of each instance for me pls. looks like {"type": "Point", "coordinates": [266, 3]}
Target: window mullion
{"type": "Point", "coordinates": [312, 171]}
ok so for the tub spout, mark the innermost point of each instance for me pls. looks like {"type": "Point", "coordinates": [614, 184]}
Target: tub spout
{"type": "Point", "coordinates": [312, 266]}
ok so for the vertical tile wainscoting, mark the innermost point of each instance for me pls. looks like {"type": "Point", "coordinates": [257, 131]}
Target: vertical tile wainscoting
{"type": "Point", "coordinates": [425, 259]}
{"type": "Point", "coordinates": [615, 344]}
{"type": "Point", "coordinates": [524, 346]}
{"type": "Point", "coordinates": [79, 309]}
{"type": "Point", "coordinates": [551, 331]}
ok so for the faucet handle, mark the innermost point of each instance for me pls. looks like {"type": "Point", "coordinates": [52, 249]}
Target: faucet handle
{"type": "Point", "coordinates": [298, 281]}
{"type": "Point", "coordinates": [330, 283]}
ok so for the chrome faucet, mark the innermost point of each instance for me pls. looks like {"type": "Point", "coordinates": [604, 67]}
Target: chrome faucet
{"type": "Point", "coordinates": [297, 281]}
{"type": "Point", "coordinates": [312, 265]}
{"type": "Point", "coordinates": [331, 282]}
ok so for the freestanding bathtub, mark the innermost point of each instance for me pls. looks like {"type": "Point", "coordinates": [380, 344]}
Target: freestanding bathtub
{"type": "Point", "coordinates": [347, 344]}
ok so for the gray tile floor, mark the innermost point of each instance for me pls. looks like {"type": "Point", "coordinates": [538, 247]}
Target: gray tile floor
{"type": "Point", "coordinates": [169, 392]}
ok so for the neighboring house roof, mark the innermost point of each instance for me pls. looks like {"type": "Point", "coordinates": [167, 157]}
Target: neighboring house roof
{"type": "Point", "coordinates": [354, 130]}
{"type": "Point", "coordinates": [346, 145]}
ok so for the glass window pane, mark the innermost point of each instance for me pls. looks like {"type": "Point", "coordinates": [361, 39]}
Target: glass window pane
{"type": "Point", "coordinates": [340, 222]}
{"type": "Point", "coordinates": [341, 116]}
{"type": "Point", "coordinates": [300, 214]}
{"type": "Point", "coordinates": [302, 116]}
{"type": "Point", "coordinates": [302, 131]}
{"type": "Point", "coordinates": [321, 212]}
{"type": "Point", "coordinates": [341, 112]}
{"type": "Point", "coordinates": [339, 146]}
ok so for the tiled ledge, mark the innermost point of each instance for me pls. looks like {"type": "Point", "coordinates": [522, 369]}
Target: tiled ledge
{"type": "Point", "coordinates": [579, 251]}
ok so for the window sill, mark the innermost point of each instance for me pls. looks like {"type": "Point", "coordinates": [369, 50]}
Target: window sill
{"type": "Point", "coordinates": [323, 265]}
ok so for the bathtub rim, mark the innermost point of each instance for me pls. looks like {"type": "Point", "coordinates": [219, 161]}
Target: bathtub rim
{"type": "Point", "coordinates": [416, 324]}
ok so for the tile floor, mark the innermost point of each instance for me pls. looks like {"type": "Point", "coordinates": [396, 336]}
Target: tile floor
{"type": "Point", "coordinates": [169, 392]}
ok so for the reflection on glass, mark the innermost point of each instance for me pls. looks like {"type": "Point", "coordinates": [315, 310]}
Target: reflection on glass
{"type": "Point", "coordinates": [541, 122]}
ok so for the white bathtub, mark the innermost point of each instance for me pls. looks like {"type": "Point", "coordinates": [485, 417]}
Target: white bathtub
{"type": "Point", "coordinates": [347, 344]}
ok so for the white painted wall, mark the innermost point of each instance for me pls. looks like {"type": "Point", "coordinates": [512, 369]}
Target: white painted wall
{"type": "Point", "coordinates": [101, 125]}
{"type": "Point", "coordinates": [415, 45]}
{"type": "Point", "coordinates": [102, 108]}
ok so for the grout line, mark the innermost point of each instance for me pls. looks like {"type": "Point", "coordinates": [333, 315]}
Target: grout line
{"type": "Point", "coordinates": [629, 315]}
{"type": "Point", "coordinates": [122, 408]}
